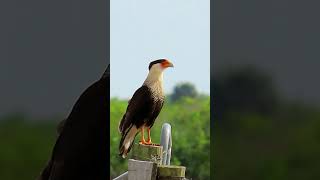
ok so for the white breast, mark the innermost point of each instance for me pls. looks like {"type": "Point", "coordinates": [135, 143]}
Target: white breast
{"type": "Point", "coordinates": [156, 89]}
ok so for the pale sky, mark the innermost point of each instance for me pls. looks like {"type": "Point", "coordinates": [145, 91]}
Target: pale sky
{"type": "Point", "coordinates": [146, 30]}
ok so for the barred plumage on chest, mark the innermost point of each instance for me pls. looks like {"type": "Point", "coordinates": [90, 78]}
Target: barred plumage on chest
{"type": "Point", "coordinates": [157, 91]}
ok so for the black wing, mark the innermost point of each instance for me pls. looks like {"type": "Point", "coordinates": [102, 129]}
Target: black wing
{"type": "Point", "coordinates": [156, 112]}
{"type": "Point", "coordinates": [139, 108]}
{"type": "Point", "coordinates": [81, 149]}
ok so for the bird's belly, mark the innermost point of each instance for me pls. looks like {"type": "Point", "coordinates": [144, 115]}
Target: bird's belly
{"type": "Point", "coordinates": [147, 123]}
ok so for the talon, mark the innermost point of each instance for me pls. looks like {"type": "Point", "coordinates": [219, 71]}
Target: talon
{"type": "Point", "coordinates": [149, 142]}
{"type": "Point", "coordinates": [142, 142]}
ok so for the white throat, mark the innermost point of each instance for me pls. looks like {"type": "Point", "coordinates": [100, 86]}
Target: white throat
{"type": "Point", "coordinates": [155, 75]}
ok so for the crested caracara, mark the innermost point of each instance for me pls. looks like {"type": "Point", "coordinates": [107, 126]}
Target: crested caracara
{"type": "Point", "coordinates": [144, 107]}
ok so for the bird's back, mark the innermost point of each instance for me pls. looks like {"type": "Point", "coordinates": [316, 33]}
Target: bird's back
{"type": "Point", "coordinates": [81, 148]}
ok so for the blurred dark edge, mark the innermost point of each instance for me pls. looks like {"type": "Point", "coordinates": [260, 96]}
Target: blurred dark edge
{"type": "Point", "coordinates": [50, 52]}
{"type": "Point", "coordinates": [265, 103]}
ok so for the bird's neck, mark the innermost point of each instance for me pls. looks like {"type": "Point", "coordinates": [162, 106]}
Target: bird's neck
{"type": "Point", "coordinates": [154, 76]}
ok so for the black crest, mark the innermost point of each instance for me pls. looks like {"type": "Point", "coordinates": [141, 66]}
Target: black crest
{"type": "Point", "coordinates": [156, 62]}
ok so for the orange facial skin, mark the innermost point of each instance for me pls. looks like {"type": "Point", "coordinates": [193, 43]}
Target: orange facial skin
{"type": "Point", "coordinates": [166, 64]}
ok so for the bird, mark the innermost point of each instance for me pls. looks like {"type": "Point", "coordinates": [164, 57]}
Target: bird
{"type": "Point", "coordinates": [143, 108]}
{"type": "Point", "coordinates": [81, 148]}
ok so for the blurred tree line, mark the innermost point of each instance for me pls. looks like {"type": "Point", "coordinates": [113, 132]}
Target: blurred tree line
{"type": "Point", "coordinates": [260, 134]}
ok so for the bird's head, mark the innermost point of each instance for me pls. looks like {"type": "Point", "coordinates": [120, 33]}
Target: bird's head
{"type": "Point", "coordinates": [160, 64]}
{"type": "Point", "coordinates": [156, 69]}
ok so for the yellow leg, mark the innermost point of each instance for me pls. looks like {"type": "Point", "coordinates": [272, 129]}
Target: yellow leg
{"type": "Point", "coordinates": [149, 137]}
{"type": "Point", "coordinates": [142, 136]}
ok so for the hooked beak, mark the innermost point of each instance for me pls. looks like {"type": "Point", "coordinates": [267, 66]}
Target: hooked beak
{"type": "Point", "coordinates": [167, 64]}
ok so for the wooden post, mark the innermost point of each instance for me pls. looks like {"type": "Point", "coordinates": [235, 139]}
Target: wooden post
{"type": "Point", "coordinates": [142, 170]}
{"type": "Point", "coordinates": [146, 164]}
{"type": "Point", "coordinates": [151, 153]}
{"type": "Point", "coordinates": [140, 167]}
{"type": "Point", "coordinates": [171, 172]}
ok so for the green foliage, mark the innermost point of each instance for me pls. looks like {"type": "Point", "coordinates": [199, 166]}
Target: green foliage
{"type": "Point", "coordinates": [283, 145]}
{"type": "Point", "coordinates": [183, 90]}
{"type": "Point", "coordinates": [25, 147]}
{"type": "Point", "coordinates": [258, 133]}
{"type": "Point", "coordinates": [190, 121]}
